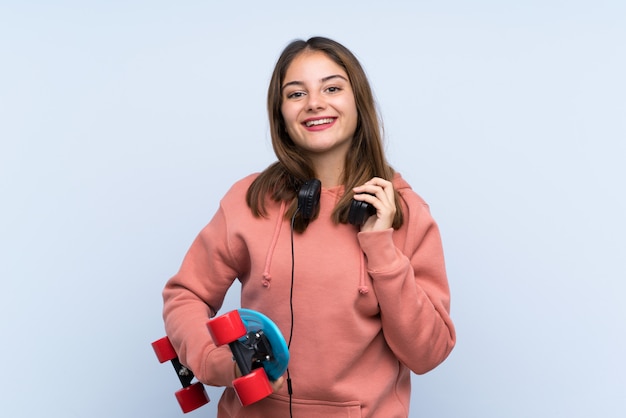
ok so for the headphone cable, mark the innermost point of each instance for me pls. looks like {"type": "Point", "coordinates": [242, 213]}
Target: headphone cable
{"type": "Point", "coordinates": [293, 263]}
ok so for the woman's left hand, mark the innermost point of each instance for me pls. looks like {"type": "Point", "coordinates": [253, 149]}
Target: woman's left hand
{"type": "Point", "coordinates": [380, 194]}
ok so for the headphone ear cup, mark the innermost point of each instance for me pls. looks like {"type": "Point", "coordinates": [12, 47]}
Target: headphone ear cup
{"type": "Point", "coordinates": [359, 212]}
{"type": "Point", "coordinates": [309, 197]}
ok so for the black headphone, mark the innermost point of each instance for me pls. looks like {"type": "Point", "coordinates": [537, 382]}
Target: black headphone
{"type": "Point", "coordinates": [359, 212]}
{"type": "Point", "coordinates": [309, 198]}
{"type": "Point", "coordinates": [308, 201]}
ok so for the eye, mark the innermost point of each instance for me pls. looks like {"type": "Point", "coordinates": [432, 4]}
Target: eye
{"type": "Point", "coordinates": [333, 89]}
{"type": "Point", "coordinates": [295, 95]}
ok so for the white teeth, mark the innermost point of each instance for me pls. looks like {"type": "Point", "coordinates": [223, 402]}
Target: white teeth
{"type": "Point", "coordinates": [319, 122]}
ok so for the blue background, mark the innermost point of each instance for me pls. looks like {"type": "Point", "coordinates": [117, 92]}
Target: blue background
{"type": "Point", "coordinates": [122, 123]}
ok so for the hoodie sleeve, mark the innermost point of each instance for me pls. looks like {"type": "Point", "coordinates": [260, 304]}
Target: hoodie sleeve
{"type": "Point", "coordinates": [195, 294]}
{"type": "Point", "coordinates": [412, 287]}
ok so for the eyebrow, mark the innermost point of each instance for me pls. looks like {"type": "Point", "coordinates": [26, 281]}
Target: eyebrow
{"type": "Point", "coordinates": [323, 80]}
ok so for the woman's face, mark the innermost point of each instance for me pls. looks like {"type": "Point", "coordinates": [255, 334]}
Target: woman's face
{"type": "Point", "coordinates": [318, 105]}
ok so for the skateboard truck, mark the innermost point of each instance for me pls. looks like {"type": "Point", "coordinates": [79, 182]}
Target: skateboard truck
{"type": "Point", "coordinates": [193, 395]}
{"type": "Point", "coordinates": [258, 348]}
{"type": "Point", "coordinates": [250, 353]}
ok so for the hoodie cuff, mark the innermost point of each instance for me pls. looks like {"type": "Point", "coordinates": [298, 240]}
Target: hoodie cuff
{"type": "Point", "coordinates": [380, 250]}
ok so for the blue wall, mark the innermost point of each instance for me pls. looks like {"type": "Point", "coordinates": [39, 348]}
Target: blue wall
{"type": "Point", "coordinates": [123, 123]}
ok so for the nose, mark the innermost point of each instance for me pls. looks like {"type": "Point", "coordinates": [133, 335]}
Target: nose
{"type": "Point", "coordinates": [315, 102]}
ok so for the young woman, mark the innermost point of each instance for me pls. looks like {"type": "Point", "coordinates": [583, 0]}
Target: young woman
{"type": "Point", "coordinates": [369, 303]}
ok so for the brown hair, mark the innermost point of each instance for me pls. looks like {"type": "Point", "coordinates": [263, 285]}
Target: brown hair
{"type": "Point", "coordinates": [365, 158]}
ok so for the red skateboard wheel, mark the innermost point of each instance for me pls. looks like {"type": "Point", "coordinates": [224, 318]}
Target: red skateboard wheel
{"type": "Point", "coordinates": [192, 397]}
{"type": "Point", "coordinates": [226, 328]}
{"type": "Point", "coordinates": [252, 387]}
{"type": "Point", "coordinates": [164, 350]}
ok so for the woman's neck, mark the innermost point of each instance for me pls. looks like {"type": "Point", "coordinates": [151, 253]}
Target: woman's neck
{"type": "Point", "coordinates": [329, 172]}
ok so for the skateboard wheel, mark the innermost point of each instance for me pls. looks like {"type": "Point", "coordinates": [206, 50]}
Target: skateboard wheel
{"type": "Point", "coordinates": [226, 328]}
{"type": "Point", "coordinates": [164, 350]}
{"type": "Point", "coordinates": [252, 387]}
{"type": "Point", "coordinates": [192, 397]}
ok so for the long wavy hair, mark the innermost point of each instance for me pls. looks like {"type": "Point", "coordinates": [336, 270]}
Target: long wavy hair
{"type": "Point", "coordinates": [365, 158]}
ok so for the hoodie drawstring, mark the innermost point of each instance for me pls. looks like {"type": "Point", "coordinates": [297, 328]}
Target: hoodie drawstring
{"type": "Point", "coordinates": [363, 289]}
{"type": "Point", "coordinates": [267, 277]}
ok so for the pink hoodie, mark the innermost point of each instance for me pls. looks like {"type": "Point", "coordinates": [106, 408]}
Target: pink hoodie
{"type": "Point", "coordinates": [369, 307]}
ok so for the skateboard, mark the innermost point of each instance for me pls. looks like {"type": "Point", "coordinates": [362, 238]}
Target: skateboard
{"type": "Point", "coordinates": [193, 395]}
{"type": "Point", "coordinates": [258, 347]}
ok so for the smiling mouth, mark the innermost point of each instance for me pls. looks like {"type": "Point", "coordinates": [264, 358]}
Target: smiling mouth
{"type": "Point", "coordinates": [318, 122]}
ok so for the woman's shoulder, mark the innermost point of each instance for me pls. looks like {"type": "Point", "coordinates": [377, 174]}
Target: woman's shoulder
{"type": "Point", "coordinates": [243, 184]}
{"type": "Point", "coordinates": [239, 189]}
{"type": "Point", "coordinates": [406, 192]}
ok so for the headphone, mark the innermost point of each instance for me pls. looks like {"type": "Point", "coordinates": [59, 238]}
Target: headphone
{"type": "Point", "coordinates": [308, 201]}
{"type": "Point", "coordinates": [309, 198]}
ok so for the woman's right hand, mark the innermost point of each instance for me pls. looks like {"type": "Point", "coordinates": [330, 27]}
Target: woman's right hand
{"type": "Point", "coordinates": [277, 384]}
